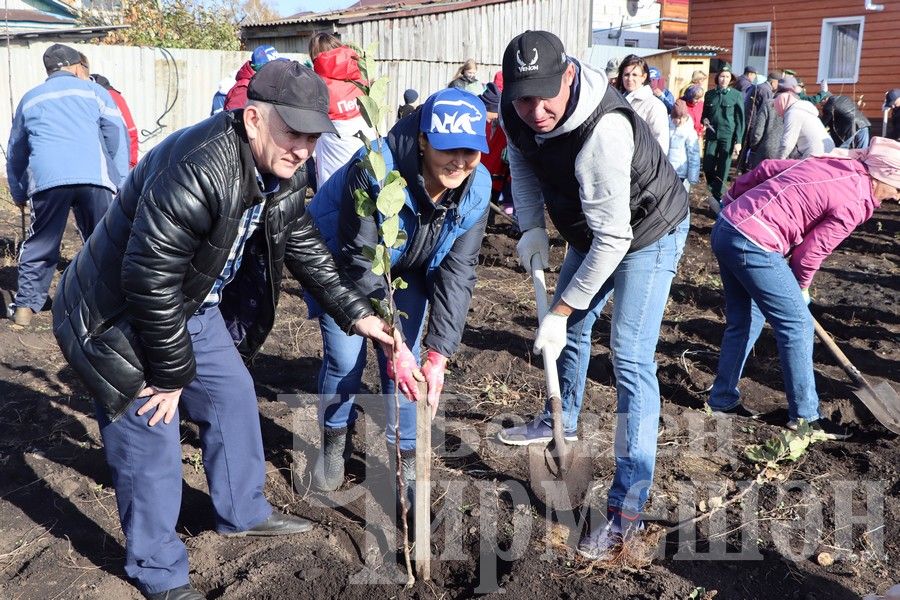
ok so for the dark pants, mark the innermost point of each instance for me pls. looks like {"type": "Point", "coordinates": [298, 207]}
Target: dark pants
{"type": "Point", "coordinates": [146, 462]}
{"type": "Point", "coordinates": [40, 252]}
{"type": "Point", "coordinates": [716, 164]}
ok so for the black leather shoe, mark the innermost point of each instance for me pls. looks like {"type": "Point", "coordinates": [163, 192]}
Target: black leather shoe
{"type": "Point", "coordinates": [185, 592]}
{"type": "Point", "coordinates": [276, 524]}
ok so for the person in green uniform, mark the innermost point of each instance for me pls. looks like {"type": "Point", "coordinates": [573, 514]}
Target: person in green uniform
{"type": "Point", "coordinates": [723, 116]}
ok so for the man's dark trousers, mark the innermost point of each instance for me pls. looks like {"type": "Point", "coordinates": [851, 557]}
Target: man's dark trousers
{"type": "Point", "coordinates": [146, 462]}
{"type": "Point", "coordinates": [40, 252]}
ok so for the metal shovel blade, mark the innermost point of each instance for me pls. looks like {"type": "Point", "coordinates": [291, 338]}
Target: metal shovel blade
{"type": "Point", "coordinates": [559, 479]}
{"type": "Point", "coordinates": [882, 400]}
{"type": "Point", "coordinates": [560, 472]}
{"type": "Point", "coordinates": [878, 395]}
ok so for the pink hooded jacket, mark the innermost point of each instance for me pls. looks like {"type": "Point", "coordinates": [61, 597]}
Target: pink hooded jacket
{"type": "Point", "coordinates": [803, 208]}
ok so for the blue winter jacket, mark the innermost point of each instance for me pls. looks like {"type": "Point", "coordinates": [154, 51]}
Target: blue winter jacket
{"type": "Point", "coordinates": [66, 131]}
{"type": "Point", "coordinates": [443, 241]}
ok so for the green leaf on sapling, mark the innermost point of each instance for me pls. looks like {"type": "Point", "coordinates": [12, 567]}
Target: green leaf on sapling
{"type": "Point", "coordinates": [364, 206]}
{"type": "Point", "coordinates": [394, 176]}
{"type": "Point", "coordinates": [373, 163]}
{"type": "Point", "coordinates": [401, 239]}
{"type": "Point", "coordinates": [391, 198]}
{"type": "Point", "coordinates": [390, 227]}
{"type": "Point", "coordinates": [378, 90]}
{"type": "Point", "coordinates": [370, 111]}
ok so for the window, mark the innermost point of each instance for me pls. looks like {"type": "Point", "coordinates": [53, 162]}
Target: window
{"type": "Point", "coordinates": [751, 46]}
{"type": "Point", "coordinates": [840, 49]}
{"type": "Point", "coordinates": [630, 43]}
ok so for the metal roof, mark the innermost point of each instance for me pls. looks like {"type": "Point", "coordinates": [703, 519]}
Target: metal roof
{"type": "Point", "coordinates": [598, 55]}
{"type": "Point", "coordinates": [72, 33]}
{"type": "Point", "coordinates": [367, 12]}
{"type": "Point", "coordinates": [32, 16]}
{"type": "Point", "coordinates": [696, 50]}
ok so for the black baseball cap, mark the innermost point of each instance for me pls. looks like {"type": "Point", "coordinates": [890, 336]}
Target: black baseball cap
{"type": "Point", "coordinates": [890, 97]}
{"type": "Point", "coordinates": [297, 93]}
{"type": "Point", "coordinates": [533, 65]}
{"type": "Point", "coordinates": [58, 56]}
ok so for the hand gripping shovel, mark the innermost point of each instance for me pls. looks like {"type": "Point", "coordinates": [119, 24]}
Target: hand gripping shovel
{"type": "Point", "coordinates": [561, 472]}
{"type": "Point", "coordinates": [878, 395]}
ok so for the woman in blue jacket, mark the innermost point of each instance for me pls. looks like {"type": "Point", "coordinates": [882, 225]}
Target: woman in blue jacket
{"type": "Point", "coordinates": [437, 149]}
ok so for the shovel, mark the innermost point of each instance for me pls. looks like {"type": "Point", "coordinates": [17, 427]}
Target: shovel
{"type": "Point", "coordinates": [878, 395]}
{"type": "Point", "coordinates": [561, 472]}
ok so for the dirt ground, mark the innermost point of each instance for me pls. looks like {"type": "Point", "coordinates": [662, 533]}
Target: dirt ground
{"type": "Point", "coordinates": [60, 535]}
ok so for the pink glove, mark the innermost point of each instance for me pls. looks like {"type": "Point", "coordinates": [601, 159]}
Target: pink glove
{"type": "Point", "coordinates": [407, 373]}
{"type": "Point", "coordinates": [433, 369]}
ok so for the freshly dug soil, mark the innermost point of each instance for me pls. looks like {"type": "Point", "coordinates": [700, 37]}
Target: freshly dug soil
{"type": "Point", "coordinates": [60, 536]}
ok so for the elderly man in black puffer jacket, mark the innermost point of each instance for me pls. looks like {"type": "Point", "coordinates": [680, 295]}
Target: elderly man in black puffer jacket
{"type": "Point", "coordinates": [178, 283]}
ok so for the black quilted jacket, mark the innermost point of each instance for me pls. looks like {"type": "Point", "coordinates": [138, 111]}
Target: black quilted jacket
{"type": "Point", "coordinates": [121, 308]}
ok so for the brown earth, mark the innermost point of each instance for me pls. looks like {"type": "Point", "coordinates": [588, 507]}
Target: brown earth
{"type": "Point", "coordinates": [60, 536]}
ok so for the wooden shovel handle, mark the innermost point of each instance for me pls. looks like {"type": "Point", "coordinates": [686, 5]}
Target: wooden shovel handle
{"type": "Point", "coordinates": [842, 359]}
{"type": "Point", "coordinates": [550, 373]}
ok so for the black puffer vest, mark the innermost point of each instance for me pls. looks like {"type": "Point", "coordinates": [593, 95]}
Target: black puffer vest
{"type": "Point", "coordinates": [658, 199]}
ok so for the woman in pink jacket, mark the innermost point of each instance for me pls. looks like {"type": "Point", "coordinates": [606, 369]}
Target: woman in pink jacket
{"type": "Point", "coordinates": [779, 222]}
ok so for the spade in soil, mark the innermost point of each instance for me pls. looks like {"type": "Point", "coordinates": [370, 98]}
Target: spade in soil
{"type": "Point", "coordinates": [561, 472]}
{"type": "Point", "coordinates": [878, 395]}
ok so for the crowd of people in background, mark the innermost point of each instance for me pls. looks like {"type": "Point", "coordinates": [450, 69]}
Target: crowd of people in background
{"type": "Point", "coordinates": [178, 283]}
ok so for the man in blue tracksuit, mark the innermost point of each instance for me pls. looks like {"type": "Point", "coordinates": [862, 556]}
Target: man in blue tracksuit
{"type": "Point", "coordinates": [437, 149]}
{"type": "Point", "coordinates": [68, 148]}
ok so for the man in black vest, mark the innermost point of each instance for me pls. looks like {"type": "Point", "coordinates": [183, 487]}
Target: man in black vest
{"type": "Point", "coordinates": [578, 148]}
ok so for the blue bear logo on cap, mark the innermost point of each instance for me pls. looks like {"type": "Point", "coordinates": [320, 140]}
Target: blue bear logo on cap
{"type": "Point", "coordinates": [261, 55]}
{"type": "Point", "coordinates": [454, 116]}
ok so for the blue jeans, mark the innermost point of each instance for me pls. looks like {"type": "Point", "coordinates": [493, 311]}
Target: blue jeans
{"type": "Point", "coordinates": [344, 359]}
{"type": "Point", "coordinates": [146, 462]}
{"type": "Point", "coordinates": [760, 286]}
{"type": "Point", "coordinates": [641, 284]}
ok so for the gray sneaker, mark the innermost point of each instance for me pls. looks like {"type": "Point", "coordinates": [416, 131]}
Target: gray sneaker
{"type": "Point", "coordinates": [537, 431]}
{"type": "Point", "coordinates": [605, 542]}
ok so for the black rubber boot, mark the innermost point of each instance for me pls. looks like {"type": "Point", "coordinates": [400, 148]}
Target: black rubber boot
{"type": "Point", "coordinates": [328, 473]}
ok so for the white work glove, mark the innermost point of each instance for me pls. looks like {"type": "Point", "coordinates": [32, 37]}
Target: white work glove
{"type": "Point", "coordinates": [551, 336]}
{"type": "Point", "coordinates": [534, 242]}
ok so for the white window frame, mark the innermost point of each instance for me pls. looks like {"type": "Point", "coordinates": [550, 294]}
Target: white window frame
{"type": "Point", "coordinates": [739, 48]}
{"type": "Point", "coordinates": [828, 26]}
